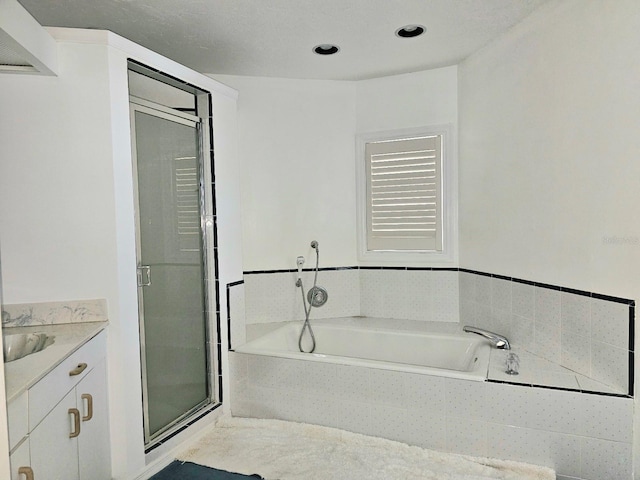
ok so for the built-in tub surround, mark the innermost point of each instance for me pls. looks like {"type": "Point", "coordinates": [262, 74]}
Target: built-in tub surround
{"type": "Point", "coordinates": [580, 436]}
{"type": "Point", "coordinates": [551, 417]}
{"type": "Point", "coordinates": [587, 334]}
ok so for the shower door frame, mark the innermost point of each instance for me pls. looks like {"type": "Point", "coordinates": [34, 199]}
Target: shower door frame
{"type": "Point", "coordinates": [137, 104]}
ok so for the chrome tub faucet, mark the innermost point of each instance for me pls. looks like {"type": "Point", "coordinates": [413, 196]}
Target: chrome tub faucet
{"type": "Point", "coordinates": [497, 340]}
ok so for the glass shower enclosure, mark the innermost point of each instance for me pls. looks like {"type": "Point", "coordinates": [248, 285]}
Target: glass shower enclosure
{"type": "Point", "coordinates": [172, 294]}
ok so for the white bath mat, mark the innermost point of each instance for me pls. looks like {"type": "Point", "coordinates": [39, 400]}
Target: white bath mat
{"type": "Point", "coordinates": [279, 450]}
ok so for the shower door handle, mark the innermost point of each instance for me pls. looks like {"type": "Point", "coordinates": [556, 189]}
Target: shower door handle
{"type": "Point", "coordinates": [144, 271]}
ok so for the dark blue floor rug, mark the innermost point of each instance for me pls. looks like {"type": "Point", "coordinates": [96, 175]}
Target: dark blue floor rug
{"type": "Point", "coordinates": [178, 470]}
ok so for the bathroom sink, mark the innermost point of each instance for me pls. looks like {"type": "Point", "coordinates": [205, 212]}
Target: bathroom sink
{"type": "Point", "coordinates": [18, 345]}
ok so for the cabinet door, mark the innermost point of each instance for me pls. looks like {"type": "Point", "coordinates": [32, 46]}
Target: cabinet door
{"type": "Point", "coordinates": [20, 458]}
{"type": "Point", "coordinates": [54, 455]}
{"type": "Point", "coordinates": [93, 442]}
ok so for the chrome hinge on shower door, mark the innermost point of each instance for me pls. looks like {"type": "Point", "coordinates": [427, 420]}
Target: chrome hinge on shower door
{"type": "Point", "coordinates": [144, 271]}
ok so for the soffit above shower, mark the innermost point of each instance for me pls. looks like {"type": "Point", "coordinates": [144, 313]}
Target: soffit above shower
{"type": "Point", "coordinates": [275, 38]}
{"type": "Point", "coordinates": [25, 47]}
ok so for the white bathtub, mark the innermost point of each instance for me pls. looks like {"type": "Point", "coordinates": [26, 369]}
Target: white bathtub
{"type": "Point", "coordinates": [462, 355]}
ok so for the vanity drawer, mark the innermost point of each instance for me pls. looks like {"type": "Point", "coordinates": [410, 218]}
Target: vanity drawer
{"type": "Point", "coordinates": [18, 418]}
{"type": "Point", "coordinates": [45, 395]}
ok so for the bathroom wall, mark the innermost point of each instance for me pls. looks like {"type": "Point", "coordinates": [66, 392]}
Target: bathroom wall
{"type": "Point", "coordinates": [548, 149]}
{"type": "Point", "coordinates": [296, 143]}
{"type": "Point", "coordinates": [406, 101]}
{"type": "Point", "coordinates": [66, 203]}
{"type": "Point", "coordinates": [297, 154]}
{"type": "Point", "coordinates": [549, 117]}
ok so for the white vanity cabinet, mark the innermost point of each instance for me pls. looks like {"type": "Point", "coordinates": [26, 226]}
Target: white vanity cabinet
{"type": "Point", "coordinates": [68, 430]}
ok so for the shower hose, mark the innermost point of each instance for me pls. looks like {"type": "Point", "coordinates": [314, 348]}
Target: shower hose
{"type": "Point", "coordinates": [307, 311]}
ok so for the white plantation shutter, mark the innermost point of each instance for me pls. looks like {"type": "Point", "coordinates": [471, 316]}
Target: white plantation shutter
{"type": "Point", "coordinates": [404, 194]}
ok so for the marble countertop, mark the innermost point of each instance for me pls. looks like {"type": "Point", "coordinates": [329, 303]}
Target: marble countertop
{"type": "Point", "coordinates": [23, 373]}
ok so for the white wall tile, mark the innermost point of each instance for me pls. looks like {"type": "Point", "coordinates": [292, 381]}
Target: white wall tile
{"type": "Point", "coordinates": [465, 398]}
{"type": "Point", "coordinates": [237, 366]}
{"type": "Point", "coordinates": [477, 315]}
{"type": "Point", "coordinates": [467, 286]}
{"type": "Point", "coordinates": [501, 294]}
{"type": "Point", "coordinates": [316, 378]}
{"type": "Point", "coordinates": [540, 426]}
{"type": "Point", "coordinates": [424, 392]}
{"type": "Point", "coordinates": [547, 340]}
{"type": "Point", "coordinates": [272, 298]}
{"type": "Point", "coordinates": [237, 315]}
{"type": "Point", "coordinates": [388, 387]}
{"type": "Point", "coordinates": [320, 409]}
{"type": "Point", "coordinates": [602, 459]}
{"type": "Point", "coordinates": [343, 288]}
{"type": "Point", "coordinates": [576, 353]}
{"type": "Point", "coordinates": [508, 405]}
{"type": "Point", "coordinates": [576, 314]}
{"type": "Point", "coordinates": [538, 408]}
{"type": "Point", "coordinates": [424, 428]}
{"type": "Point", "coordinates": [610, 322]}
{"type": "Point", "coordinates": [607, 418]}
{"type": "Point", "coordinates": [521, 331]}
{"type": "Point", "coordinates": [483, 289]}
{"type": "Point", "coordinates": [501, 322]}
{"type": "Point", "coordinates": [466, 436]}
{"type": "Point", "coordinates": [354, 416]}
{"type": "Point", "coordinates": [547, 305]}
{"type": "Point", "coordinates": [523, 300]}
{"type": "Point", "coordinates": [372, 293]}
{"type": "Point", "coordinates": [558, 451]}
{"type": "Point", "coordinates": [419, 294]}
{"type": "Point", "coordinates": [353, 384]}
{"type": "Point", "coordinates": [610, 365]}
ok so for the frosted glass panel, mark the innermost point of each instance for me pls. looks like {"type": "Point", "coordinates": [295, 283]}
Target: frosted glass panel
{"type": "Point", "coordinates": [170, 249]}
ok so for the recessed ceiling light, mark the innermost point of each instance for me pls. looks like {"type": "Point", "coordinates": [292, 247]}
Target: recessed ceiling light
{"type": "Point", "coordinates": [326, 49]}
{"type": "Point", "coordinates": [409, 31]}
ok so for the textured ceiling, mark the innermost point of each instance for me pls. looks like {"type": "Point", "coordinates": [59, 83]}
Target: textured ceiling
{"type": "Point", "coordinates": [275, 37]}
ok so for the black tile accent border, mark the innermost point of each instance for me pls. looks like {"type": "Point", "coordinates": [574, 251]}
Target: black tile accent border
{"type": "Point", "coordinates": [600, 296]}
{"type": "Point", "coordinates": [295, 270]}
{"type": "Point", "coordinates": [229, 285]}
{"type": "Point", "coordinates": [584, 293]}
{"type": "Point", "coordinates": [549, 387]}
{"type": "Point", "coordinates": [609, 298]}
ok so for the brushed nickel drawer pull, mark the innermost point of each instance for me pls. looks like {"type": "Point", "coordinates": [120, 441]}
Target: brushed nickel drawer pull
{"type": "Point", "coordinates": [78, 370]}
{"type": "Point", "coordinates": [89, 399]}
{"type": "Point", "coordinates": [76, 422]}
{"type": "Point", "coordinates": [27, 472]}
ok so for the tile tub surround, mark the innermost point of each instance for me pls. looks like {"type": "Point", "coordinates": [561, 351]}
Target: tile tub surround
{"type": "Point", "coordinates": [585, 437]}
{"type": "Point", "coordinates": [420, 294]}
{"type": "Point", "coordinates": [54, 313]}
{"type": "Point", "coordinates": [586, 332]}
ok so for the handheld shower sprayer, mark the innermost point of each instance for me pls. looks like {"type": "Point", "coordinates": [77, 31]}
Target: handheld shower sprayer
{"type": "Point", "coordinates": [300, 263]}
{"type": "Point", "coordinates": [316, 295]}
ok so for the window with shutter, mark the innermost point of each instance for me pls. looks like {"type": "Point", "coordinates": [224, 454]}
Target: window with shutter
{"type": "Point", "coordinates": [404, 194]}
{"type": "Point", "coordinates": [407, 197]}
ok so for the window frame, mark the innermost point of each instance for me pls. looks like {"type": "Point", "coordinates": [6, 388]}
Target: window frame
{"type": "Point", "coordinates": [449, 253]}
